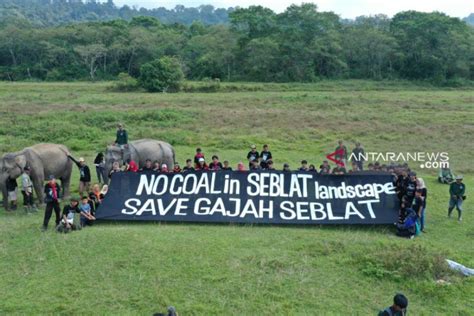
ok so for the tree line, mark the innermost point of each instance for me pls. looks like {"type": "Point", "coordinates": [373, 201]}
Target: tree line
{"type": "Point", "coordinates": [300, 44]}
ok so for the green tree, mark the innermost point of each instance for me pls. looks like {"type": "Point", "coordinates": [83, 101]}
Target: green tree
{"type": "Point", "coordinates": [161, 75]}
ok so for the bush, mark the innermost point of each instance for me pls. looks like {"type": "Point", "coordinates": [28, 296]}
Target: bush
{"type": "Point", "coordinates": [162, 75]}
{"type": "Point", "coordinates": [125, 83]}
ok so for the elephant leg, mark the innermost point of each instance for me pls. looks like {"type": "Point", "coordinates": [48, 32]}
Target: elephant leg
{"type": "Point", "coordinates": [38, 178]}
{"type": "Point", "coordinates": [65, 183]}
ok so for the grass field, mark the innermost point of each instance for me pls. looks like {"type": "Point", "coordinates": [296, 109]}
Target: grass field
{"type": "Point", "coordinates": [240, 269]}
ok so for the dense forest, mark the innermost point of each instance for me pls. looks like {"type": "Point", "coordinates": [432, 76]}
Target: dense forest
{"type": "Point", "coordinates": [257, 44]}
{"type": "Point", "coordinates": [62, 12]}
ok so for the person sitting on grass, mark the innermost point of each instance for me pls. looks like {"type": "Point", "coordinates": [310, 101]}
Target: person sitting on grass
{"type": "Point", "coordinates": [189, 166]}
{"type": "Point", "coordinates": [408, 227]}
{"type": "Point", "coordinates": [198, 156]}
{"type": "Point", "coordinates": [304, 166]}
{"type": "Point", "coordinates": [445, 176]}
{"type": "Point", "coordinates": [254, 165]}
{"type": "Point", "coordinates": [399, 307]}
{"type": "Point", "coordinates": [215, 165]}
{"type": "Point", "coordinates": [457, 190]}
{"type": "Point", "coordinates": [69, 212]}
{"type": "Point", "coordinates": [86, 212]}
{"type": "Point", "coordinates": [148, 166]}
{"type": "Point", "coordinates": [226, 166]}
{"type": "Point", "coordinates": [202, 165]}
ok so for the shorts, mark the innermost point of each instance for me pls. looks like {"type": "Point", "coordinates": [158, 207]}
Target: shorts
{"type": "Point", "coordinates": [12, 195]}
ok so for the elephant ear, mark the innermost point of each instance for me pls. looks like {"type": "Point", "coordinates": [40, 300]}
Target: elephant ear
{"type": "Point", "coordinates": [20, 161]}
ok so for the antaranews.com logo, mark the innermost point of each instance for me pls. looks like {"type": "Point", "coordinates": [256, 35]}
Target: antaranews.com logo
{"type": "Point", "coordinates": [427, 160]}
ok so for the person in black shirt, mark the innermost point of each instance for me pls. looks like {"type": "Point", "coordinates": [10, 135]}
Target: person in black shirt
{"type": "Point", "coordinates": [189, 166]}
{"type": "Point", "coordinates": [84, 174]}
{"type": "Point", "coordinates": [156, 166]}
{"type": "Point", "coordinates": [304, 166]}
{"type": "Point", "coordinates": [215, 164]}
{"type": "Point", "coordinates": [68, 216]}
{"type": "Point", "coordinates": [148, 166]}
{"type": "Point", "coordinates": [265, 155]}
{"type": "Point", "coordinates": [409, 188]}
{"type": "Point", "coordinates": [286, 167]}
{"type": "Point", "coordinates": [99, 163]}
{"type": "Point", "coordinates": [254, 165]}
{"type": "Point", "coordinates": [400, 184]}
{"type": "Point", "coordinates": [226, 166]}
{"type": "Point", "coordinates": [270, 165]}
{"type": "Point", "coordinates": [12, 189]}
{"type": "Point", "coordinates": [253, 155]}
{"type": "Point", "coordinates": [312, 168]}
{"type": "Point", "coordinates": [325, 168]}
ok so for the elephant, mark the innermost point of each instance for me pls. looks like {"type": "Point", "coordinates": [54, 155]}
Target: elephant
{"type": "Point", "coordinates": [44, 160]}
{"type": "Point", "coordinates": [140, 150]}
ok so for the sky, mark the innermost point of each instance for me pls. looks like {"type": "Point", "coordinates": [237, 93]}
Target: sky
{"type": "Point", "coordinates": [345, 8]}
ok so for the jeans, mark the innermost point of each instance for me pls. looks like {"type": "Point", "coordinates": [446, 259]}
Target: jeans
{"type": "Point", "coordinates": [455, 202]}
{"type": "Point", "coordinates": [100, 174]}
{"type": "Point", "coordinates": [422, 219]}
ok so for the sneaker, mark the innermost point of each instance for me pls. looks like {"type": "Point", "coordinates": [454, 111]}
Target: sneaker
{"type": "Point", "coordinates": [460, 219]}
{"type": "Point", "coordinates": [44, 228]}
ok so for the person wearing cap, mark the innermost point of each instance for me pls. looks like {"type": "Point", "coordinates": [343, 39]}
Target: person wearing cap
{"type": "Point", "coordinates": [457, 190]}
{"type": "Point", "coordinates": [121, 138]}
{"type": "Point", "coordinates": [68, 215]}
{"type": "Point", "coordinates": [265, 156]}
{"type": "Point", "coordinates": [399, 307]}
{"type": "Point", "coordinates": [226, 166]}
{"type": "Point", "coordinates": [253, 155]}
{"type": "Point", "coordinates": [52, 193]}
{"type": "Point", "coordinates": [27, 190]}
{"type": "Point", "coordinates": [198, 156]}
{"type": "Point", "coordinates": [84, 174]}
{"type": "Point", "coordinates": [164, 168]}
{"type": "Point", "coordinates": [304, 165]}
{"type": "Point", "coordinates": [202, 165]}
{"type": "Point", "coordinates": [357, 156]}
{"type": "Point", "coordinates": [286, 167]}
{"type": "Point", "coordinates": [215, 164]}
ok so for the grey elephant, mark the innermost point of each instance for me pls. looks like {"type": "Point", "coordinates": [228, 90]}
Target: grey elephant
{"type": "Point", "coordinates": [44, 160]}
{"type": "Point", "coordinates": [139, 151]}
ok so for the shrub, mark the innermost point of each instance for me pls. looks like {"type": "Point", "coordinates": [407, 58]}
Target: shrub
{"type": "Point", "coordinates": [125, 83]}
{"type": "Point", "coordinates": [162, 75]}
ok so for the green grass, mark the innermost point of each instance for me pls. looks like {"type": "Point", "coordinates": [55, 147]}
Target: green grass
{"type": "Point", "coordinates": [240, 269]}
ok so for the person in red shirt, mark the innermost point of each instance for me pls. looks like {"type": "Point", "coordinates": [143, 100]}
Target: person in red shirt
{"type": "Point", "coordinates": [241, 167]}
{"type": "Point", "coordinates": [198, 156]}
{"type": "Point", "coordinates": [132, 166]}
{"type": "Point", "coordinates": [177, 168]}
{"type": "Point", "coordinates": [202, 165]}
{"type": "Point", "coordinates": [52, 193]}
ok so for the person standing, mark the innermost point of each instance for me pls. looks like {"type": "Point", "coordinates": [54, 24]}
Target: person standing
{"type": "Point", "coordinates": [99, 163]}
{"type": "Point", "coordinates": [424, 193]}
{"type": "Point", "coordinates": [357, 156]}
{"type": "Point", "coordinates": [265, 156]}
{"type": "Point", "coordinates": [12, 190]}
{"type": "Point", "coordinates": [121, 138]}
{"type": "Point", "coordinates": [199, 154]}
{"type": "Point", "coordinates": [84, 174]}
{"type": "Point", "coordinates": [27, 190]}
{"type": "Point", "coordinates": [253, 155]}
{"type": "Point", "coordinates": [457, 190]}
{"type": "Point", "coordinates": [52, 193]}
{"type": "Point", "coordinates": [341, 153]}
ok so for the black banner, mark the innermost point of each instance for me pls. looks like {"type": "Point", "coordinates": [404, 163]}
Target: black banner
{"type": "Point", "coordinates": [271, 197]}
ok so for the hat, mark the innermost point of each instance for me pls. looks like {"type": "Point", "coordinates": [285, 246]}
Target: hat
{"type": "Point", "coordinates": [82, 159]}
{"type": "Point", "coordinates": [253, 146]}
{"type": "Point", "coordinates": [459, 177]}
{"type": "Point", "coordinates": [201, 159]}
{"type": "Point", "coordinates": [164, 166]}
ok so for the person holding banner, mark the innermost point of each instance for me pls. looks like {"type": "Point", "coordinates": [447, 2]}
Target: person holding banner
{"type": "Point", "coordinates": [202, 165]}
{"type": "Point", "coordinates": [189, 166]}
{"type": "Point", "coordinates": [198, 156]}
{"type": "Point", "coordinates": [265, 156]}
{"type": "Point", "coordinates": [226, 166]}
{"type": "Point", "coordinates": [215, 164]}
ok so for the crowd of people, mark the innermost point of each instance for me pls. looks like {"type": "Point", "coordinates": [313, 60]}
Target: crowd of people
{"type": "Point", "coordinates": [411, 190]}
